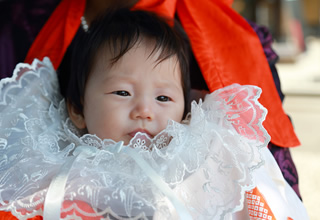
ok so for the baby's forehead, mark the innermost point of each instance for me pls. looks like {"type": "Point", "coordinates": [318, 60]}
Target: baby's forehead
{"type": "Point", "coordinates": [112, 52]}
{"type": "Point", "coordinates": [119, 47]}
{"type": "Point", "coordinates": [140, 63]}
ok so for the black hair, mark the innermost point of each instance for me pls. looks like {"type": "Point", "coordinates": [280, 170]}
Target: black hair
{"type": "Point", "coordinates": [119, 30]}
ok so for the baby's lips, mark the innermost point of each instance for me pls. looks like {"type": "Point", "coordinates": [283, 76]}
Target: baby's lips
{"type": "Point", "coordinates": [142, 132]}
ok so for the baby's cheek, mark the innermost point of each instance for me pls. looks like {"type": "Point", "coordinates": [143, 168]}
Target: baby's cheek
{"type": "Point", "coordinates": [178, 117]}
{"type": "Point", "coordinates": [164, 124]}
{"type": "Point", "coordinates": [96, 127]}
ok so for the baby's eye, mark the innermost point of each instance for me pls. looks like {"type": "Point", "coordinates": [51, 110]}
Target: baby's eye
{"type": "Point", "coordinates": [163, 98]}
{"type": "Point", "coordinates": [121, 93]}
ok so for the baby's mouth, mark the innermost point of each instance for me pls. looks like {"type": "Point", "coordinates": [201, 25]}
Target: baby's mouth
{"type": "Point", "coordinates": [143, 131]}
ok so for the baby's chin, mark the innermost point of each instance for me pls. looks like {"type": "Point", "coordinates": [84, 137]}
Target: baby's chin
{"type": "Point", "coordinates": [126, 139]}
{"type": "Point", "coordinates": [139, 137]}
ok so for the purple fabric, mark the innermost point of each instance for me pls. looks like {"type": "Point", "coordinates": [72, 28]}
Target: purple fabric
{"type": "Point", "coordinates": [266, 41]}
{"type": "Point", "coordinates": [6, 52]}
{"type": "Point", "coordinates": [281, 155]}
{"type": "Point", "coordinates": [287, 167]}
{"type": "Point", "coordinates": [20, 22]}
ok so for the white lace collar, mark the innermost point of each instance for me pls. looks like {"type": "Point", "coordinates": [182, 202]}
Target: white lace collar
{"type": "Point", "coordinates": [204, 166]}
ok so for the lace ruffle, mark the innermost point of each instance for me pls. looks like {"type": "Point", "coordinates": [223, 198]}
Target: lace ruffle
{"type": "Point", "coordinates": [206, 163]}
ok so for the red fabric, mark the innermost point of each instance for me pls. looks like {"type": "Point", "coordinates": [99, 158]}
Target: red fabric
{"type": "Point", "coordinates": [84, 207]}
{"type": "Point", "coordinates": [229, 51]}
{"type": "Point", "coordinates": [225, 46]}
{"type": "Point", "coordinates": [228, 2]}
{"type": "Point", "coordinates": [58, 32]}
{"type": "Point", "coordinates": [165, 8]}
{"type": "Point", "coordinates": [67, 205]}
{"type": "Point", "coordinates": [9, 216]}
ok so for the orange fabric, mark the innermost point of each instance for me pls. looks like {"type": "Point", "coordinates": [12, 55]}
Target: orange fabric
{"type": "Point", "coordinates": [258, 207]}
{"type": "Point", "coordinates": [58, 32]}
{"type": "Point", "coordinates": [229, 51]}
{"type": "Point", "coordinates": [226, 48]}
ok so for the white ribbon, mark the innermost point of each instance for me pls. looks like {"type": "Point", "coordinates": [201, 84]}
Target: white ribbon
{"type": "Point", "coordinates": [56, 190]}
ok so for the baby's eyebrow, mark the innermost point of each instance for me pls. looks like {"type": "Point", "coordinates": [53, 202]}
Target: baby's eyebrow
{"type": "Point", "coordinates": [165, 83]}
{"type": "Point", "coordinates": [168, 85]}
{"type": "Point", "coordinates": [116, 78]}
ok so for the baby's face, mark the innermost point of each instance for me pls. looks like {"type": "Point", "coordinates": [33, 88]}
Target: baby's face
{"type": "Point", "coordinates": [137, 94]}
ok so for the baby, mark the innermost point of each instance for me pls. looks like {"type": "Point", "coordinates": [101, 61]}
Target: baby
{"type": "Point", "coordinates": [129, 75]}
{"type": "Point", "coordinates": [129, 85]}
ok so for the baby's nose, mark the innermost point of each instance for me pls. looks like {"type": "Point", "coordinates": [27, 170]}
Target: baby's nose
{"type": "Point", "coordinates": [143, 110]}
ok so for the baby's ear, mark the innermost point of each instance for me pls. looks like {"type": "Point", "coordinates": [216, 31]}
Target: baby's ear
{"type": "Point", "coordinates": [76, 117]}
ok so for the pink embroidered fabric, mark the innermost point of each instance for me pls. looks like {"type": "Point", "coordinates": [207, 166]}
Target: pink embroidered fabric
{"type": "Point", "coordinates": [198, 168]}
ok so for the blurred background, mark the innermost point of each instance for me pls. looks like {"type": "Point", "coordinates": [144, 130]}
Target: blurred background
{"type": "Point", "coordinates": [295, 26]}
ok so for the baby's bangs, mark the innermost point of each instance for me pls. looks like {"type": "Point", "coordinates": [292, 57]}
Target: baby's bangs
{"type": "Point", "coordinates": [122, 38]}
